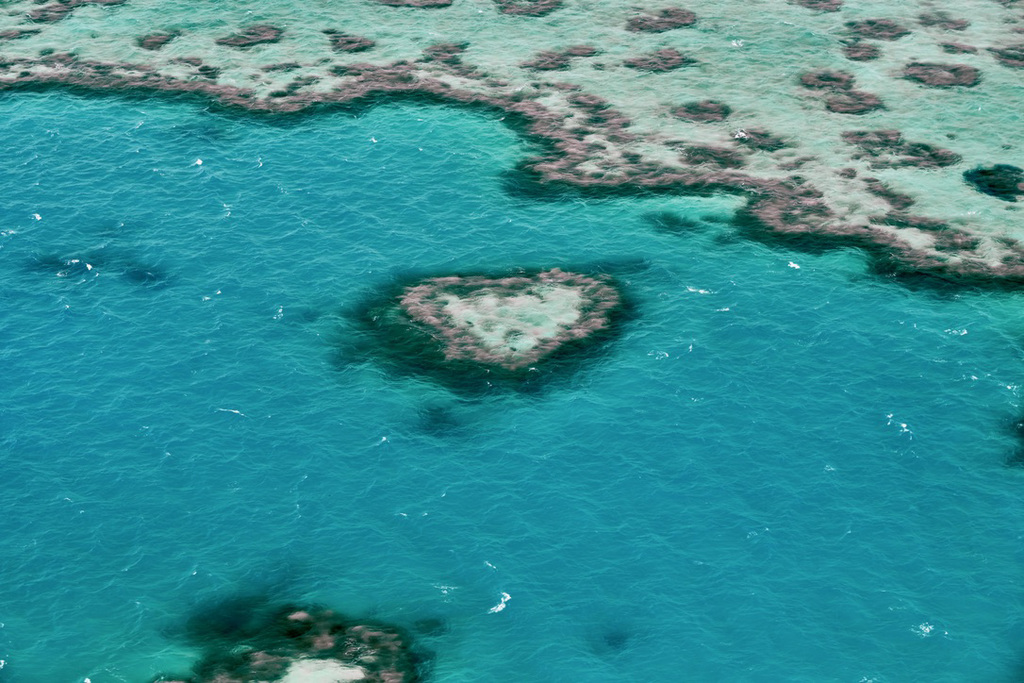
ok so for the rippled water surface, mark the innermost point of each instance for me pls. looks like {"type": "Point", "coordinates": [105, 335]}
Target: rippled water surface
{"type": "Point", "coordinates": [785, 468]}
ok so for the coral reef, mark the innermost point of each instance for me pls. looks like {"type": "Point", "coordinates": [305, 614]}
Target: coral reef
{"type": "Point", "coordinates": [820, 5]}
{"type": "Point", "coordinates": [958, 48]}
{"type": "Point", "coordinates": [943, 21]}
{"type": "Point", "coordinates": [57, 11]}
{"type": "Point", "coordinates": [760, 139]}
{"type": "Point", "coordinates": [590, 136]}
{"type": "Point", "coordinates": [666, 59]}
{"type": "Point", "coordinates": [1002, 180]}
{"type": "Point", "coordinates": [704, 111]}
{"type": "Point", "coordinates": [155, 41]}
{"type": "Point", "coordinates": [888, 149]}
{"type": "Point", "coordinates": [843, 98]}
{"type": "Point", "coordinates": [861, 52]}
{"type": "Point", "coordinates": [415, 3]}
{"type": "Point", "coordinates": [292, 644]}
{"type": "Point", "coordinates": [1011, 55]}
{"type": "Point", "coordinates": [511, 322]}
{"type": "Point", "coordinates": [716, 156]}
{"type": "Point", "coordinates": [942, 75]}
{"type": "Point", "coordinates": [252, 35]}
{"type": "Point", "coordinates": [877, 29]}
{"type": "Point", "coordinates": [661, 20]}
{"type": "Point", "coordinates": [827, 80]}
{"type": "Point", "coordinates": [346, 42]}
{"type": "Point", "coordinates": [529, 8]}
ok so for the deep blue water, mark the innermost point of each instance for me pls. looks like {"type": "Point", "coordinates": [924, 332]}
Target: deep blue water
{"type": "Point", "coordinates": [774, 473]}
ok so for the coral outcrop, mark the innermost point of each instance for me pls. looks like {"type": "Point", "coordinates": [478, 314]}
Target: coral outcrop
{"type": "Point", "coordinates": [295, 645]}
{"type": "Point", "coordinates": [505, 323]}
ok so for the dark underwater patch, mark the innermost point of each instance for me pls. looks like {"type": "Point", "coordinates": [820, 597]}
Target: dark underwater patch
{"type": "Point", "coordinates": [1001, 181]}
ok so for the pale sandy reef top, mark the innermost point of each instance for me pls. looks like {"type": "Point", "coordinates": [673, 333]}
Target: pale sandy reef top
{"type": "Point", "coordinates": [805, 179]}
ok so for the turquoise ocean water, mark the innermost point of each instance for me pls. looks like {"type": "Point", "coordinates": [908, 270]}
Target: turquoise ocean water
{"type": "Point", "coordinates": [785, 468]}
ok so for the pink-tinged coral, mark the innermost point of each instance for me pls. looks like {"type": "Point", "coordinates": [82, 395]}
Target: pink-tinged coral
{"type": "Point", "coordinates": [511, 322]}
{"type": "Point", "coordinates": [662, 20]}
{"type": "Point", "coordinates": [942, 75]}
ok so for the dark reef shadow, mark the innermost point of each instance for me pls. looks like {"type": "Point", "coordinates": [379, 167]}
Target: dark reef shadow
{"type": "Point", "coordinates": [1015, 430]}
{"type": "Point", "coordinates": [80, 263]}
{"type": "Point", "coordinates": [404, 351]}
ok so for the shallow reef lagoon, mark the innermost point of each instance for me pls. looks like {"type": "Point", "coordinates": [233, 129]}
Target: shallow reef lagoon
{"type": "Point", "coordinates": [785, 467]}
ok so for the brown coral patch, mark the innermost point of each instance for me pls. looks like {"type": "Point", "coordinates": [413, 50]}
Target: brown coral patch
{"type": "Point", "coordinates": [704, 111]}
{"type": "Point", "coordinates": [878, 29]}
{"type": "Point", "coordinates": [581, 51]}
{"type": "Point", "coordinates": [56, 11]}
{"type": "Point", "coordinates": [528, 8]}
{"type": "Point", "coordinates": [853, 102]}
{"type": "Point", "coordinates": [256, 34]}
{"type": "Point", "coordinates": [958, 48]}
{"type": "Point", "coordinates": [720, 157]}
{"type": "Point", "coordinates": [820, 5]}
{"type": "Point", "coordinates": [888, 149]}
{"type": "Point", "coordinates": [14, 33]}
{"type": "Point", "coordinates": [942, 75]}
{"type": "Point", "coordinates": [155, 41]}
{"type": "Point", "coordinates": [760, 139]}
{"type": "Point", "coordinates": [416, 3]}
{"type": "Point", "coordinates": [1011, 55]}
{"type": "Point", "coordinates": [660, 60]}
{"type": "Point", "coordinates": [548, 60]}
{"type": "Point", "coordinates": [943, 21]}
{"type": "Point", "coordinates": [897, 200]}
{"type": "Point", "coordinates": [347, 42]}
{"type": "Point", "coordinates": [827, 80]}
{"type": "Point", "coordinates": [861, 52]}
{"type": "Point", "coordinates": [661, 20]}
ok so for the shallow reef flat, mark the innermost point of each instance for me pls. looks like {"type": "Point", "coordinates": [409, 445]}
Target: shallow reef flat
{"type": "Point", "coordinates": [842, 124]}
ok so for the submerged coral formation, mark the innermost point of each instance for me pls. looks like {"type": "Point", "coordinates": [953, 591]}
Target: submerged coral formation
{"type": "Point", "coordinates": [1002, 180]}
{"type": "Point", "coordinates": [508, 323]}
{"type": "Point", "coordinates": [293, 645]}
